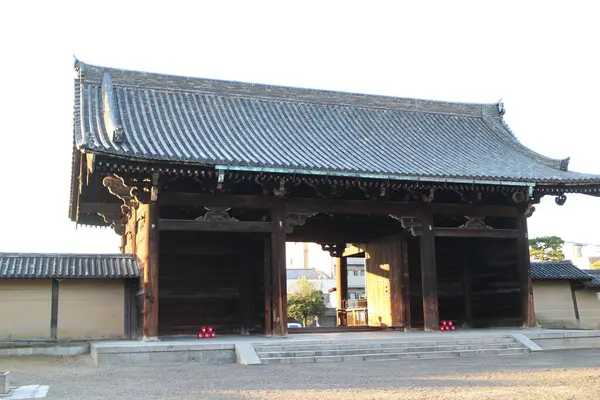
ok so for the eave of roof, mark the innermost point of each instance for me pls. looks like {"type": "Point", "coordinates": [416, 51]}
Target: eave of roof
{"type": "Point", "coordinates": [68, 266]}
{"type": "Point", "coordinates": [557, 270]}
{"type": "Point", "coordinates": [262, 128]}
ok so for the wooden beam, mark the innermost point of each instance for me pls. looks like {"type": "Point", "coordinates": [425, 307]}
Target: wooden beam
{"type": "Point", "coordinates": [99, 208]}
{"type": "Point", "coordinates": [355, 250]}
{"type": "Point", "coordinates": [476, 233]}
{"type": "Point", "coordinates": [278, 238]}
{"type": "Point", "coordinates": [524, 266]}
{"type": "Point", "coordinates": [54, 310]}
{"type": "Point", "coordinates": [334, 206]}
{"type": "Point", "coordinates": [429, 274]}
{"type": "Point", "coordinates": [215, 226]}
{"type": "Point", "coordinates": [216, 200]}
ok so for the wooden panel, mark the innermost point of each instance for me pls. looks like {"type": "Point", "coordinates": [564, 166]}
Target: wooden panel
{"type": "Point", "coordinates": [476, 233]}
{"type": "Point", "coordinates": [224, 290]}
{"type": "Point", "coordinates": [384, 267]}
{"type": "Point", "coordinates": [25, 309]}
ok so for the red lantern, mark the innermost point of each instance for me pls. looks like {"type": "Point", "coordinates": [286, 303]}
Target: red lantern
{"type": "Point", "coordinates": [212, 334]}
{"type": "Point", "coordinates": [209, 329]}
{"type": "Point", "coordinates": [452, 328]}
{"type": "Point", "coordinates": [203, 329]}
{"type": "Point", "coordinates": [444, 323]}
{"type": "Point", "coordinates": [450, 323]}
{"type": "Point", "coordinates": [200, 335]}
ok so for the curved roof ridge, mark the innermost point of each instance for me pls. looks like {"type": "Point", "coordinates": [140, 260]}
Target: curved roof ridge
{"type": "Point", "coordinates": [75, 255]}
{"type": "Point", "coordinates": [503, 131]}
{"type": "Point", "coordinates": [89, 73]}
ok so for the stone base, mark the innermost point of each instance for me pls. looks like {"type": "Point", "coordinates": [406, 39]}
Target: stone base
{"type": "Point", "coordinates": [4, 383]}
{"type": "Point", "coordinates": [162, 352]}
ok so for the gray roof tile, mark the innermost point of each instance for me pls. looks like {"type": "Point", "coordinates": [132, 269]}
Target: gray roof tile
{"type": "Point", "coordinates": [595, 282]}
{"type": "Point", "coordinates": [280, 129]}
{"type": "Point", "coordinates": [67, 266]}
{"type": "Point", "coordinates": [295, 273]}
{"type": "Point", "coordinates": [557, 270]}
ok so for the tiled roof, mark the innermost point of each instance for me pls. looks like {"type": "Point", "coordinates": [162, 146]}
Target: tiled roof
{"type": "Point", "coordinates": [308, 273]}
{"type": "Point", "coordinates": [595, 282]}
{"type": "Point", "coordinates": [557, 270]}
{"type": "Point", "coordinates": [242, 126]}
{"type": "Point", "coordinates": [67, 266]}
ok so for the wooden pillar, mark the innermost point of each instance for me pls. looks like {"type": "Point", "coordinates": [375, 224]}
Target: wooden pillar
{"type": "Point", "coordinates": [278, 269]}
{"type": "Point", "coordinates": [405, 286]}
{"type": "Point", "coordinates": [429, 274]}
{"type": "Point", "coordinates": [245, 282]}
{"type": "Point", "coordinates": [466, 277]}
{"type": "Point", "coordinates": [150, 322]}
{"type": "Point", "coordinates": [54, 310]}
{"type": "Point", "coordinates": [341, 276]}
{"type": "Point", "coordinates": [524, 265]}
{"type": "Point", "coordinates": [575, 306]}
{"type": "Point", "coordinates": [268, 287]}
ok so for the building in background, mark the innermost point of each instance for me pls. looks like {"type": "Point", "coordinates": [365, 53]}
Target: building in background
{"type": "Point", "coordinates": [583, 255]}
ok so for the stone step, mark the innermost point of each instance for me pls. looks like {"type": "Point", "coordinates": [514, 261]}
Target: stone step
{"type": "Point", "coordinates": [398, 356]}
{"type": "Point", "coordinates": [389, 349]}
{"type": "Point", "coordinates": [371, 344]}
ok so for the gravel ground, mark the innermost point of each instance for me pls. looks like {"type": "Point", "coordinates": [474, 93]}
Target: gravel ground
{"type": "Point", "coordinates": [564, 375]}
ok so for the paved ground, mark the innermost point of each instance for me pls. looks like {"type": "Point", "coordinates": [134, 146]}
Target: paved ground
{"type": "Point", "coordinates": [564, 375]}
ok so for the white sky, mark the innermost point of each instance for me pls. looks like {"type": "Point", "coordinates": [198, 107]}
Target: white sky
{"type": "Point", "coordinates": [540, 58]}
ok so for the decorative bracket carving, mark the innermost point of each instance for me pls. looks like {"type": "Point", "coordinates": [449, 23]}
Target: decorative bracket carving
{"type": "Point", "coordinates": [529, 211]}
{"type": "Point", "coordinates": [334, 250]}
{"type": "Point", "coordinates": [117, 187]}
{"type": "Point", "coordinates": [296, 219]}
{"type": "Point", "coordinates": [217, 214]}
{"type": "Point", "coordinates": [475, 223]}
{"type": "Point", "coordinates": [561, 199]}
{"type": "Point", "coordinates": [411, 224]}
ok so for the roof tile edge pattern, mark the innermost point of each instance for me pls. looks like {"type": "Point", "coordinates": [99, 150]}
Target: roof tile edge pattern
{"type": "Point", "coordinates": [490, 114]}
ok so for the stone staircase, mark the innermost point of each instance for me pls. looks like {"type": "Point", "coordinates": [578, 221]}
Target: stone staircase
{"type": "Point", "coordinates": [387, 350]}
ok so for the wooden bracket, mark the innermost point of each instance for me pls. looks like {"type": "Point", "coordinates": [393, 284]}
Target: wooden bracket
{"type": "Point", "coordinates": [475, 223]}
{"type": "Point", "coordinates": [296, 219]}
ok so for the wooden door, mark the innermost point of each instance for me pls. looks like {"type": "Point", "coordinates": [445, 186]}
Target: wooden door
{"type": "Point", "coordinates": [386, 281]}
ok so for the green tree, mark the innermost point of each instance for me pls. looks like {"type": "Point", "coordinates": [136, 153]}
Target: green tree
{"type": "Point", "coordinates": [547, 248]}
{"type": "Point", "coordinates": [305, 302]}
{"type": "Point", "coordinates": [595, 265]}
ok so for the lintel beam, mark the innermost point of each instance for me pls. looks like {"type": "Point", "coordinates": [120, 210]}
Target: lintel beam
{"type": "Point", "coordinates": [99, 208]}
{"type": "Point", "coordinates": [476, 233]}
{"type": "Point", "coordinates": [335, 206]}
{"type": "Point", "coordinates": [215, 226]}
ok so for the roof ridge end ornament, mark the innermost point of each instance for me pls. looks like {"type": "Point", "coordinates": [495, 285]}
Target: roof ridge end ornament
{"type": "Point", "coordinates": [564, 164]}
{"type": "Point", "coordinates": [109, 108]}
{"type": "Point", "coordinates": [501, 109]}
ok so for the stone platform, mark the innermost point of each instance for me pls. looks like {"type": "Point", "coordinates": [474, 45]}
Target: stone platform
{"type": "Point", "coordinates": [344, 346]}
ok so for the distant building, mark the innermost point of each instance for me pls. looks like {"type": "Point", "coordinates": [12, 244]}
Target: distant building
{"type": "Point", "coordinates": [583, 255]}
{"type": "Point", "coordinates": [319, 279]}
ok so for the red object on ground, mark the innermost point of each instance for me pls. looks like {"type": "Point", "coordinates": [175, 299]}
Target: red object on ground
{"type": "Point", "coordinates": [202, 329]}
{"type": "Point", "coordinates": [200, 335]}
{"type": "Point", "coordinates": [452, 328]}
{"type": "Point", "coordinates": [212, 334]}
{"type": "Point", "coordinates": [209, 329]}
{"type": "Point", "coordinates": [443, 323]}
{"type": "Point", "coordinates": [450, 323]}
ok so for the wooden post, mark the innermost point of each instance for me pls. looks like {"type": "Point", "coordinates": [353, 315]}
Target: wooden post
{"type": "Point", "coordinates": [268, 286]}
{"type": "Point", "coordinates": [54, 310]}
{"type": "Point", "coordinates": [405, 286]}
{"type": "Point", "coordinates": [278, 269]}
{"type": "Point", "coordinates": [429, 274]}
{"type": "Point", "coordinates": [467, 289]}
{"type": "Point", "coordinates": [245, 281]}
{"type": "Point", "coordinates": [524, 265]}
{"type": "Point", "coordinates": [150, 323]}
{"type": "Point", "coordinates": [341, 276]}
{"type": "Point", "coordinates": [575, 306]}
